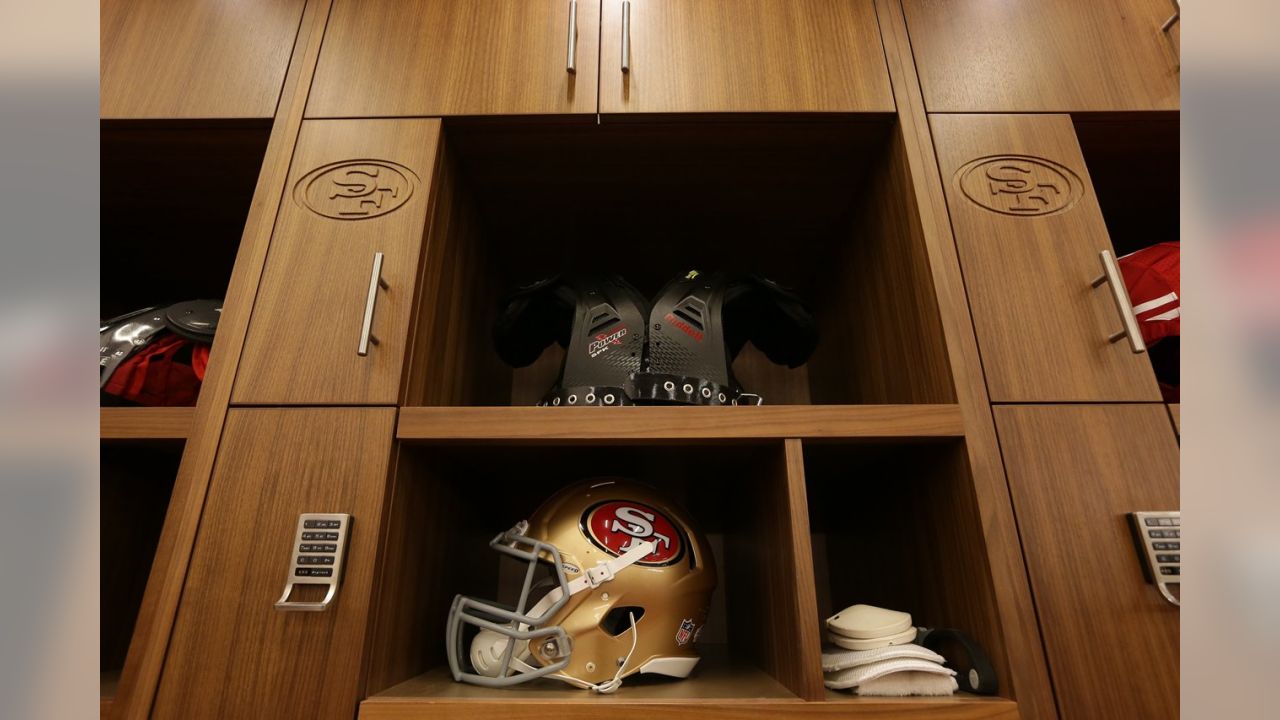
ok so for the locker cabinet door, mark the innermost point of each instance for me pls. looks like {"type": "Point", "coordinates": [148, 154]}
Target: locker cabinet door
{"type": "Point", "coordinates": [742, 56]}
{"type": "Point", "coordinates": [324, 331]}
{"type": "Point", "coordinates": [232, 654]}
{"type": "Point", "coordinates": [1074, 473]}
{"type": "Point", "coordinates": [1045, 56]}
{"type": "Point", "coordinates": [1029, 232]}
{"type": "Point", "coordinates": [457, 57]}
{"type": "Point", "coordinates": [195, 59]}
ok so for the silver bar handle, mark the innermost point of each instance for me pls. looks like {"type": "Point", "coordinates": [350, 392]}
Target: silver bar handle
{"type": "Point", "coordinates": [572, 65]}
{"type": "Point", "coordinates": [1120, 295]}
{"type": "Point", "coordinates": [1175, 17]}
{"type": "Point", "coordinates": [375, 282]}
{"type": "Point", "coordinates": [287, 605]}
{"type": "Point", "coordinates": [626, 36]}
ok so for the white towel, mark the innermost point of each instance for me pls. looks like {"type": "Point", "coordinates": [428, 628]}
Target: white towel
{"type": "Point", "coordinates": [837, 658]}
{"type": "Point", "coordinates": [856, 676]}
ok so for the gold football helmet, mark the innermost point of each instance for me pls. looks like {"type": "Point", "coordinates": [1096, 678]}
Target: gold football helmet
{"type": "Point", "coordinates": [632, 586]}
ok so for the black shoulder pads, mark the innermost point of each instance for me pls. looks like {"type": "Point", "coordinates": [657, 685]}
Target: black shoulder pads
{"type": "Point", "coordinates": [599, 320]}
{"type": "Point", "coordinates": [531, 318]}
{"type": "Point", "coordinates": [772, 318]}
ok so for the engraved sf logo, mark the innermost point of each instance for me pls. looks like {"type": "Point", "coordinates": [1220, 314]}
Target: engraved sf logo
{"type": "Point", "coordinates": [604, 340]}
{"type": "Point", "coordinates": [1020, 185]}
{"type": "Point", "coordinates": [615, 526]}
{"type": "Point", "coordinates": [355, 189]}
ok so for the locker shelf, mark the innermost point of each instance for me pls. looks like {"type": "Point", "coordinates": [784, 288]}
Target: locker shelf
{"type": "Point", "coordinates": [175, 195]}
{"type": "Point", "coordinates": [459, 496]}
{"type": "Point", "coordinates": [824, 207]}
{"type": "Point", "coordinates": [718, 677]}
{"type": "Point", "coordinates": [145, 423]}
{"type": "Point", "coordinates": [901, 529]}
{"type": "Point", "coordinates": [514, 424]}
{"type": "Point", "coordinates": [721, 687]}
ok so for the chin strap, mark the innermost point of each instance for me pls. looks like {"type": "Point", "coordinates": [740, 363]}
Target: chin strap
{"type": "Point", "coordinates": [604, 571]}
{"type": "Point", "coordinates": [613, 684]}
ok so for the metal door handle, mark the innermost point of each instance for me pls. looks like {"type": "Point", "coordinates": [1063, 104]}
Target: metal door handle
{"type": "Point", "coordinates": [1111, 275]}
{"type": "Point", "coordinates": [285, 604]}
{"type": "Point", "coordinates": [626, 36]}
{"type": "Point", "coordinates": [572, 65]}
{"type": "Point", "coordinates": [375, 282]}
{"type": "Point", "coordinates": [1175, 17]}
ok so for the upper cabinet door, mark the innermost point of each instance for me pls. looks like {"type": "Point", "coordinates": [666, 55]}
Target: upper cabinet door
{"type": "Point", "coordinates": [457, 57]}
{"type": "Point", "coordinates": [1029, 233]}
{"type": "Point", "coordinates": [690, 56]}
{"type": "Point", "coordinates": [1075, 472]}
{"type": "Point", "coordinates": [1044, 56]}
{"type": "Point", "coordinates": [324, 329]}
{"type": "Point", "coordinates": [195, 59]}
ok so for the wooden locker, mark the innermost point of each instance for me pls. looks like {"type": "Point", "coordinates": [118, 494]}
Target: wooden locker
{"type": "Point", "coordinates": [1045, 56]}
{"type": "Point", "coordinates": [357, 189]}
{"type": "Point", "coordinates": [742, 56]}
{"type": "Point", "coordinates": [196, 59]}
{"type": "Point", "coordinates": [1029, 232]}
{"type": "Point", "coordinates": [457, 57]}
{"type": "Point", "coordinates": [232, 654]}
{"type": "Point", "coordinates": [1074, 473]}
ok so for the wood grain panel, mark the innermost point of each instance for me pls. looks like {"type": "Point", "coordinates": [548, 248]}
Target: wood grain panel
{"type": "Point", "coordinates": [744, 56]}
{"type": "Point", "coordinates": [273, 465]}
{"type": "Point", "coordinates": [195, 59]}
{"type": "Point", "coordinates": [412, 594]}
{"type": "Point", "coordinates": [145, 423]}
{"type": "Point", "coordinates": [796, 653]}
{"type": "Point", "coordinates": [455, 57]}
{"type": "Point", "coordinates": [457, 299]}
{"type": "Point", "coordinates": [1075, 472]}
{"type": "Point", "coordinates": [301, 346]}
{"type": "Point", "coordinates": [679, 423]}
{"type": "Point", "coordinates": [889, 316]}
{"type": "Point", "coordinates": [1042, 329]}
{"type": "Point", "coordinates": [1175, 412]}
{"type": "Point", "coordinates": [720, 691]}
{"type": "Point", "coordinates": [769, 583]}
{"type": "Point", "coordinates": [1026, 661]}
{"type": "Point", "coordinates": [146, 657]}
{"type": "Point", "coordinates": [1044, 56]}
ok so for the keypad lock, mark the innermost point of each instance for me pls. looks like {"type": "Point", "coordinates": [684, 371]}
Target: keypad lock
{"type": "Point", "coordinates": [1159, 539]}
{"type": "Point", "coordinates": [319, 547]}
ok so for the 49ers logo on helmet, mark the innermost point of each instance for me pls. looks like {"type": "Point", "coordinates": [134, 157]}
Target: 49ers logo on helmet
{"type": "Point", "coordinates": [616, 526]}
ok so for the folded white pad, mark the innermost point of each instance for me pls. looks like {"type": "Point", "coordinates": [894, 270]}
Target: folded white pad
{"type": "Point", "coordinates": [910, 683]}
{"type": "Point", "coordinates": [903, 638]}
{"type": "Point", "coordinates": [835, 658]}
{"type": "Point", "coordinates": [857, 676]}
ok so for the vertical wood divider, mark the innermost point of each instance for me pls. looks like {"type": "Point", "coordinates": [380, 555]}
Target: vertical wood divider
{"type": "Point", "coordinates": [145, 661]}
{"type": "Point", "coordinates": [1024, 668]}
{"type": "Point", "coordinates": [805, 677]}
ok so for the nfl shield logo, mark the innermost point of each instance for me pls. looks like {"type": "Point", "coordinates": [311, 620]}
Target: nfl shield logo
{"type": "Point", "coordinates": [685, 633]}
